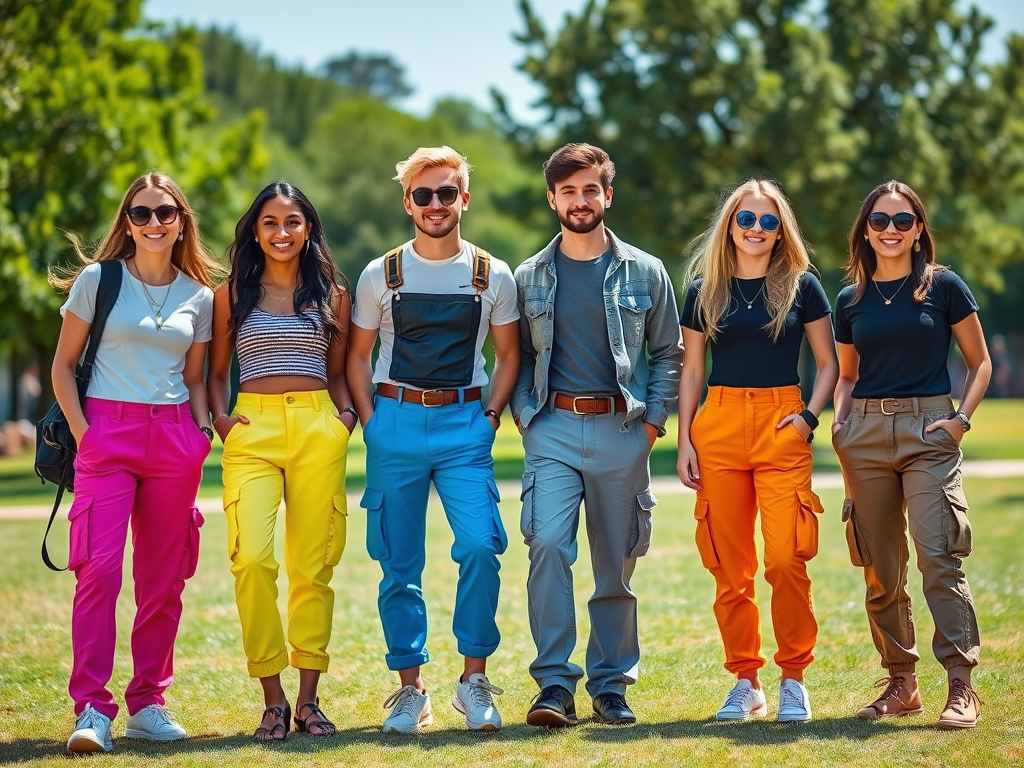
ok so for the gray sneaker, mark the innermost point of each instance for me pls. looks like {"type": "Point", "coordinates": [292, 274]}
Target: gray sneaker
{"type": "Point", "coordinates": [92, 732]}
{"type": "Point", "coordinates": [473, 699]}
{"type": "Point", "coordinates": [794, 703]}
{"type": "Point", "coordinates": [410, 711]}
{"type": "Point", "coordinates": [743, 702]}
{"type": "Point", "coordinates": [153, 723]}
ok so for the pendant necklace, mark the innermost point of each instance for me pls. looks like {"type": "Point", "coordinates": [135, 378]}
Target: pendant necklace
{"type": "Point", "coordinates": [275, 297]}
{"type": "Point", "coordinates": [158, 309]}
{"type": "Point", "coordinates": [888, 300]}
{"type": "Point", "coordinates": [740, 290]}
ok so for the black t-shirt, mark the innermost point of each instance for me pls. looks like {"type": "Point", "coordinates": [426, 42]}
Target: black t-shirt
{"type": "Point", "coordinates": [743, 354]}
{"type": "Point", "coordinates": [903, 346]}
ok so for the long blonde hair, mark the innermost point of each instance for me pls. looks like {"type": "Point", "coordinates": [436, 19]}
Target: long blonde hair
{"type": "Point", "coordinates": [190, 254]}
{"type": "Point", "coordinates": [713, 257]}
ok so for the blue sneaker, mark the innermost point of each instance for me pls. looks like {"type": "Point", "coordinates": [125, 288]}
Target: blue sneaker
{"type": "Point", "coordinates": [92, 732]}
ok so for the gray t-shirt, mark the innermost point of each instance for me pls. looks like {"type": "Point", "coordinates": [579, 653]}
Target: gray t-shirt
{"type": "Point", "coordinates": [372, 306]}
{"type": "Point", "coordinates": [581, 355]}
{"type": "Point", "coordinates": [135, 362]}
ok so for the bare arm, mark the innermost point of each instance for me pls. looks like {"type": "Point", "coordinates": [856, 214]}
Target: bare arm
{"type": "Point", "coordinates": [192, 375]}
{"type": "Point", "coordinates": [218, 376]}
{"type": "Point", "coordinates": [691, 383]}
{"type": "Point", "coordinates": [823, 346]}
{"type": "Point", "coordinates": [74, 333]}
{"type": "Point", "coordinates": [849, 372]}
{"type": "Point", "coordinates": [359, 370]}
{"type": "Point", "coordinates": [506, 365]}
{"type": "Point", "coordinates": [971, 340]}
{"type": "Point", "coordinates": [337, 381]}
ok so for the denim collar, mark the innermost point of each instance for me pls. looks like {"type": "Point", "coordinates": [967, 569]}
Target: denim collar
{"type": "Point", "coordinates": [620, 251]}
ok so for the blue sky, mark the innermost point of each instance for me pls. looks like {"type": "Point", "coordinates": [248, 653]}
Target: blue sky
{"type": "Point", "coordinates": [458, 47]}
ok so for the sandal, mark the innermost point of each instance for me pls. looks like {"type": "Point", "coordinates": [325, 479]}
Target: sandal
{"type": "Point", "coordinates": [323, 726]}
{"type": "Point", "coordinates": [284, 715]}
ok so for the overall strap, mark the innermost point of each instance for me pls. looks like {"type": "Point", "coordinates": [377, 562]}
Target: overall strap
{"type": "Point", "coordinates": [393, 268]}
{"type": "Point", "coordinates": [481, 269]}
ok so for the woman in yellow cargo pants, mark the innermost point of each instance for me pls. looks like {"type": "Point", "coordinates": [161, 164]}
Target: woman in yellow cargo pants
{"type": "Point", "coordinates": [286, 315]}
{"type": "Point", "coordinates": [748, 449]}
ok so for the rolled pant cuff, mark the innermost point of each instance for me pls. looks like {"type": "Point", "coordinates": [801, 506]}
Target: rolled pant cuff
{"type": "Point", "coordinates": [477, 651]}
{"type": "Point", "coordinates": [318, 661]}
{"type": "Point", "coordinates": [737, 667]}
{"type": "Point", "coordinates": [566, 682]}
{"type": "Point", "coordinates": [957, 661]}
{"type": "Point", "coordinates": [903, 666]}
{"type": "Point", "coordinates": [398, 663]}
{"type": "Point", "coordinates": [270, 667]}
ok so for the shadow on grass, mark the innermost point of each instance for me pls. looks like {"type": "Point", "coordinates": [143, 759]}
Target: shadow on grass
{"type": "Point", "coordinates": [750, 733]}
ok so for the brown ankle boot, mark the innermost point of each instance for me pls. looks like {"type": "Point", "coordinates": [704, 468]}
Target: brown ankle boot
{"type": "Point", "coordinates": [896, 700]}
{"type": "Point", "coordinates": [962, 707]}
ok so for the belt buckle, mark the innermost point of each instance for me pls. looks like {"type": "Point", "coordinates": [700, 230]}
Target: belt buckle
{"type": "Point", "coordinates": [882, 402]}
{"type": "Point", "coordinates": [589, 399]}
{"type": "Point", "coordinates": [432, 393]}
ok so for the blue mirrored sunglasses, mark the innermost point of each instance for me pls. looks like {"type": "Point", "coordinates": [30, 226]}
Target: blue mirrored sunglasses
{"type": "Point", "coordinates": [746, 219]}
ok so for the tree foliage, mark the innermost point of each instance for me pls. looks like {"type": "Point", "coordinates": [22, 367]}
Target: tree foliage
{"type": "Point", "coordinates": [830, 99]}
{"type": "Point", "coordinates": [372, 74]}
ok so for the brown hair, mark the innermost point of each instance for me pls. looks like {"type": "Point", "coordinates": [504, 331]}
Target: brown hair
{"type": "Point", "coordinates": [572, 158]}
{"type": "Point", "coordinates": [189, 254]}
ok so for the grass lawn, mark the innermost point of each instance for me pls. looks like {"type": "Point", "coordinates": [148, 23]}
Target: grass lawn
{"type": "Point", "coordinates": [681, 685]}
{"type": "Point", "coordinates": [998, 425]}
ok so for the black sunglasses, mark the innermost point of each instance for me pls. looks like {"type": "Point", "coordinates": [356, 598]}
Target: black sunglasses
{"type": "Point", "coordinates": [746, 219]}
{"type": "Point", "coordinates": [879, 221]}
{"type": "Point", "coordinates": [423, 195]}
{"type": "Point", "coordinates": [141, 215]}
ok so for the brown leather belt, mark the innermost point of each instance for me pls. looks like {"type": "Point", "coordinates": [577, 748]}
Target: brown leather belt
{"type": "Point", "coordinates": [893, 405]}
{"type": "Point", "coordinates": [428, 398]}
{"type": "Point", "coordinates": [590, 405]}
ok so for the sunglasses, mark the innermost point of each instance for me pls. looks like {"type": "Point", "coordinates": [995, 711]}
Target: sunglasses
{"type": "Point", "coordinates": [879, 221]}
{"type": "Point", "coordinates": [423, 195]}
{"type": "Point", "coordinates": [141, 215]}
{"type": "Point", "coordinates": [746, 219]}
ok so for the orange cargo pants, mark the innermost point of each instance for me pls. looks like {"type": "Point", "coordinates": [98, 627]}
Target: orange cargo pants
{"type": "Point", "coordinates": [746, 464]}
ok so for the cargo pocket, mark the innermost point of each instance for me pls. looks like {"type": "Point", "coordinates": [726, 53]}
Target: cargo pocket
{"type": "Point", "coordinates": [809, 506]}
{"type": "Point", "coordinates": [231, 496]}
{"type": "Point", "coordinates": [643, 524]}
{"type": "Point", "coordinates": [191, 559]}
{"type": "Point", "coordinates": [376, 538]}
{"type": "Point", "coordinates": [705, 541]}
{"type": "Point", "coordinates": [526, 519]}
{"type": "Point", "coordinates": [339, 527]}
{"type": "Point", "coordinates": [78, 545]}
{"type": "Point", "coordinates": [859, 554]}
{"type": "Point", "coordinates": [956, 527]}
{"type": "Point", "coordinates": [500, 538]}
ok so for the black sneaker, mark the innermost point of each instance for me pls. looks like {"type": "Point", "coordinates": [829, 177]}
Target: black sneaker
{"type": "Point", "coordinates": [612, 709]}
{"type": "Point", "coordinates": [554, 707]}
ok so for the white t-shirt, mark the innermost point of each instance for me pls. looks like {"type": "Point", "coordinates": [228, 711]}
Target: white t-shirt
{"type": "Point", "coordinates": [372, 306]}
{"type": "Point", "coordinates": [136, 363]}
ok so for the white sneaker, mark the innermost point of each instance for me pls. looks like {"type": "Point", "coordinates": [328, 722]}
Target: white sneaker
{"type": "Point", "coordinates": [794, 704]}
{"type": "Point", "coordinates": [410, 711]}
{"type": "Point", "coordinates": [743, 702]}
{"type": "Point", "coordinates": [473, 699]}
{"type": "Point", "coordinates": [92, 732]}
{"type": "Point", "coordinates": [153, 723]}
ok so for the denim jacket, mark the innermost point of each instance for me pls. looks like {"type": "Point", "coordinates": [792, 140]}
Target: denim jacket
{"type": "Point", "coordinates": [643, 324]}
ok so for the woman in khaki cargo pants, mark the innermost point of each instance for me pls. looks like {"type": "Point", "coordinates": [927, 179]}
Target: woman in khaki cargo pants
{"type": "Point", "coordinates": [898, 437]}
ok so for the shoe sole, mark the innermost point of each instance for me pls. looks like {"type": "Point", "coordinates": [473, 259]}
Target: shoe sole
{"type": "Point", "coordinates": [793, 719]}
{"type": "Point", "coordinates": [953, 725]}
{"type": "Point", "coordinates": [82, 745]}
{"type": "Point", "coordinates": [549, 718]}
{"type": "Point", "coordinates": [901, 713]}
{"type": "Point", "coordinates": [134, 733]}
{"type": "Point", "coordinates": [615, 720]}
{"type": "Point", "coordinates": [756, 712]}
{"type": "Point", "coordinates": [473, 726]}
{"type": "Point", "coordinates": [423, 723]}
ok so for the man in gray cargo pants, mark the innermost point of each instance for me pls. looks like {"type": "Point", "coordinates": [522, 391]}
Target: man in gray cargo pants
{"type": "Point", "coordinates": [589, 406]}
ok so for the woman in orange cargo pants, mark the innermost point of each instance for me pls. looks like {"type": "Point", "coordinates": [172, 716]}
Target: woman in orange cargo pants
{"type": "Point", "coordinates": [752, 299]}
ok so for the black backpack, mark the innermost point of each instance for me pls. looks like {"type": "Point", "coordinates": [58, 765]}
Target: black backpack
{"type": "Point", "coordinates": [55, 445]}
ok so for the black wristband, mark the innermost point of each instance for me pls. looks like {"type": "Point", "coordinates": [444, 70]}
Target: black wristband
{"type": "Point", "coordinates": [208, 431]}
{"type": "Point", "coordinates": [491, 412]}
{"type": "Point", "coordinates": [810, 418]}
{"type": "Point", "coordinates": [351, 410]}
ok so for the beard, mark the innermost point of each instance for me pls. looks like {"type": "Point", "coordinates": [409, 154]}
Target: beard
{"type": "Point", "coordinates": [440, 229]}
{"type": "Point", "coordinates": [581, 227]}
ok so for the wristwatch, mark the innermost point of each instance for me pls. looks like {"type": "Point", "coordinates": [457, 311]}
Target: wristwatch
{"type": "Point", "coordinates": [208, 432]}
{"type": "Point", "coordinates": [963, 420]}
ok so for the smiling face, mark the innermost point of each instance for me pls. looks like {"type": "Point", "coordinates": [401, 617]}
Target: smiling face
{"type": "Point", "coordinates": [890, 244]}
{"type": "Point", "coordinates": [154, 237]}
{"type": "Point", "coordinates": [754, 242]}
{"type": "Point", "coordinates": [435, 219]}
{"type": "Point", "coordinates": [580, 201]}
{"type": "Point", "coordinates": [282, 229]}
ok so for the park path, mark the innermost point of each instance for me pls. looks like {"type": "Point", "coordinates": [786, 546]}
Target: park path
{"type": "Point", "coordinates": [510, 488]}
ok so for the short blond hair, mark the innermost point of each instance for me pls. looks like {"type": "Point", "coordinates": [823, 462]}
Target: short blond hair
{"type": "Point", "coordinates": [426, 158]}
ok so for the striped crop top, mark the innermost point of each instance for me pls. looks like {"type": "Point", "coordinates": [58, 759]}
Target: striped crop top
{"type": "Point", "coordinates": [282, 345]}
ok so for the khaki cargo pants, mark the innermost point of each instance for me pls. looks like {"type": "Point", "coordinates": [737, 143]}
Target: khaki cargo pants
{"type": "Point", "coordinates": [898, 477]}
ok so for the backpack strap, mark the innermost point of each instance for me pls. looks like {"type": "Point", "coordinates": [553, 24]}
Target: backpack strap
{"type": "Point", "coordinates": [481, 269]}
{"type": "Point", "coordinates": [393, 268]}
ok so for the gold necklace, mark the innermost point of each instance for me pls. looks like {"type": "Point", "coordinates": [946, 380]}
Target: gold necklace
{"type": "Point", "coordinates": [740, 291]}
{"type": "Point", "coordinates": [888, 300]}
{"type": "Point", "coordinates": [275, 297]}
{"type": "Point", "coordinates": [158, 309]}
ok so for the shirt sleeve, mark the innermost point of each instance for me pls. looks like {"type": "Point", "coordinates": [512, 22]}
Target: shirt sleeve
{"type": "Point", "coordinates": [366, 308]}
{"type": "Point", "coordinates": [82, 298]}
{"type": "Point", "coordinates": [844, 333]}
{"type": "Point", "coordinates": [204, 316]}
{"type": "Point", "coordinates": [688, 317]}
{"type": "Point", "coordinates": [506, 304]}
{"type": "Point", "coordinates": [813, 300]}
{"type": "Point", "coordinates": [960, 302]}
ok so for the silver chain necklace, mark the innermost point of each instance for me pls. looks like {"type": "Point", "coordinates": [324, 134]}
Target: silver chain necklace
{"type": "Point", "coordinates": [740, 291]}
{"type": "Point", "coordinates": [158, 309]}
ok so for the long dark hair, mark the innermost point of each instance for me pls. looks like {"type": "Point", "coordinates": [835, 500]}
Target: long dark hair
{"type": "Point", "coordinates": [319, 277]}
{"type": "Point", "coordinates": [863, 260]}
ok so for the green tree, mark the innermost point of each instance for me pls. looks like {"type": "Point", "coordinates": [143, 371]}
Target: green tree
{"type": "Point", "coordinates": [376, 75]}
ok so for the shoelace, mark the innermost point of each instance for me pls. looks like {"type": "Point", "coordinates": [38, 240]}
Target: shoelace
{"type": "Point", "coordinates": [480, 691]}
{"type": "Point", "coordinates": [90, 718]}
{"type": "Point", "coordinates": [790, 696]}
{"type": "Point", "coordinates": [402, 700]}
{"type": "Point", "coordinates": [893, 685]}
{"type": "Point", "coordinates": [737, 696]}
{"type": "Point", "coordinates": [960, 696]}
{"type": "Point", "coordinates": [160, 713]}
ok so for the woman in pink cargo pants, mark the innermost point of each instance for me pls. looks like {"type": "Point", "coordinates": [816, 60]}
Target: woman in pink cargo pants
{"type": "Point", "coordinates": [143, 434]}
